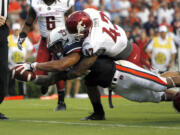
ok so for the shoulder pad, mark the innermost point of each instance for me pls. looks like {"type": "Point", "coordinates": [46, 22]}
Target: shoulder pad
{"type": "Point", "coordinates": [72, 48]}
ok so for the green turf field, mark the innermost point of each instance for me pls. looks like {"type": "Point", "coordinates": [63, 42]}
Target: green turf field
{"type": "Point", "coordinates": [36, 117]}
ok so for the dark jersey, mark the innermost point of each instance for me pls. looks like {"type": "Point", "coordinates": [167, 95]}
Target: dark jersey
{"type": "Point", "coordinates": [72, 48]}
{"type": "Point", "coordinates": [102, 72]}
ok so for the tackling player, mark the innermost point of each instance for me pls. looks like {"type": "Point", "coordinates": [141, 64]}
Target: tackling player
{"type": "Point", "coordinates": [125, 78]}
{"type": "Point", "coordinates": [50, 14]}
{"type": "Point", "coordinates": [99, 36]}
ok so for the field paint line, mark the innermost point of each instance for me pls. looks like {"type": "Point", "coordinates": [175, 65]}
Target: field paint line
{"type": "Point", "coordinates": [99, 124]}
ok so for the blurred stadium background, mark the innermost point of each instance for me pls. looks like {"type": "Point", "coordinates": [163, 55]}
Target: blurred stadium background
{"type": "Point", "coordinates": [141, 20]}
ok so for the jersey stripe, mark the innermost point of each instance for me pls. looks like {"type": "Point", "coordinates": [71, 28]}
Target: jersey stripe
{"type": "Point", "coordinates": [141, 74]}
{"type": "Point", "coordinates": [74, 47]}
{"type": "Point", "coordinates": [77, 49]}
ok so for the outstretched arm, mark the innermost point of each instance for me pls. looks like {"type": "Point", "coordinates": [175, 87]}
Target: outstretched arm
{"type": "Point", "coordinates": [52, 78]}
{"type": "Point", "coordinates": [78, 70]}
{"type": "Point", "coordinates": [81, 67]}
{"type": "Point", "coordinates": [59, 65]}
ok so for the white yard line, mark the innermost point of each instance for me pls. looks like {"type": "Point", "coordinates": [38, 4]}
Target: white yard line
{"type": "Point", "coordinates": [99, 124]}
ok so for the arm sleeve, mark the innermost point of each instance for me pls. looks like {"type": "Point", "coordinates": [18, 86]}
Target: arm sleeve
{"type": "Point", "coordinates": [72, 48]}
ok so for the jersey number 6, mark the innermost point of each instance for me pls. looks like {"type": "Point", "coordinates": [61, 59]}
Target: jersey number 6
{"type": "Point", "coordinates": [50, 22]}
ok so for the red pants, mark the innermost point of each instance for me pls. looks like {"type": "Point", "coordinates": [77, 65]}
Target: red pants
{"type": "Point", "coordinates": [136, 58]}
{"type": "Point", "coordinates": [44, 56]}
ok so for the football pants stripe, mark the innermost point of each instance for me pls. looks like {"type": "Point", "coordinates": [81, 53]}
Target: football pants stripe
{"type": "Point", "coordinates": [141, 74]}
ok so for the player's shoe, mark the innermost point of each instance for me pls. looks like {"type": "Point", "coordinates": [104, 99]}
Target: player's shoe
{"type": "Point", "coordinates": [61, 106]}
{"type": "Point", "coordinates": [3, 117]}
{"type": "Point", "coordinates": [44, 89]}
{"type": "Point", "coordinates": [95, 116]}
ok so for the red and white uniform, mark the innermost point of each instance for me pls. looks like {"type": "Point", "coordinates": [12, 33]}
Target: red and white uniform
{"type": "Point", "coordinates": [137, 84]}
{"type": "Point", "coordinates": [49, 17]}
{"type": "Point", "coordinates": [108, 37]}
{"type": "Point", "coordinates": [52, 16]}
{"type": "Point", "coordinates": [104, 35]}
{"type": "Point", "coordinates": [124, 78]}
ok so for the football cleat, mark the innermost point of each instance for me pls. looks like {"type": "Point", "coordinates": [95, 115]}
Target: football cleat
{"type": "Point", "coordinates": [44, 89]}
{"type": "Point", "coordinates": [3, 117]}
{"type": "Point", "coordinates": [61, 106]}
{"type": "Point", "coordinates": [95, 116]}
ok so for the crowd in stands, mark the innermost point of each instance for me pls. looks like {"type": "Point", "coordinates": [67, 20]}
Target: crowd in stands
{"type": "Point", "coordinates": [140, 19]}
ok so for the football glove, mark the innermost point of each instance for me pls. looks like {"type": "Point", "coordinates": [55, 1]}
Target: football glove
{"type": "Point", "coordinates": [26, 66]}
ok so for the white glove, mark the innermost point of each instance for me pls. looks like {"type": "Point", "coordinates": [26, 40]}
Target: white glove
{"type": "Point", "coordinates": [26, 66]}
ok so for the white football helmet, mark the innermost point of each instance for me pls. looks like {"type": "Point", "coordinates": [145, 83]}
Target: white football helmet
{"type": "Point", "coordinates": [57, 39]}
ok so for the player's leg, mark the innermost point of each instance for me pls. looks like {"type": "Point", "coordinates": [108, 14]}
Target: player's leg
{"type": "Point", "coordinates": [173, 82]}
{"type": "Point", "coordinates": [170, 74]}
{"type": "Point", "coordinates": [168, 95]}
{"type": "Point", "coordinates": [3, 67]}
{"type": "Point", "coordinates": [42, 56]}
{"type": "Point", "coordinates": [136, 58]}
{"type": "Point", "coordinates": [173, 78]}
{"type": "Point", "coordinates": [144, 83]}
{"type": "Point", "coordinates": [94, 96]}
{"type": "Point", "coordinates": [61, 94]}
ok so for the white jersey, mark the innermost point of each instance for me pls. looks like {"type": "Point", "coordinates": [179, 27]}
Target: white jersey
{"type": "Point", "coordinates": [137, 84]}
{"type": "Point", "coordinates": [50, 17]}
{"type": "Point", "coordinates": [104, 36]}
{"type": "Point", "coordinates": [162, 51]}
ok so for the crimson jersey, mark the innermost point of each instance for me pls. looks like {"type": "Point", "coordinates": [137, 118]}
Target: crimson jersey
{"type": "Point", "coordinates": [52, 16]}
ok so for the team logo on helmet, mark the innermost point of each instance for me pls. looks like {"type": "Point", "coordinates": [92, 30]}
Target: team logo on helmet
{"type": "Point", "coordinates": [80, 27]}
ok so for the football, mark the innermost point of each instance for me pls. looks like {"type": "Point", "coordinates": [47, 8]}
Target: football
{"type": "Point", "coordinates": [176, 102]}
{"type": "Point", "coordinates": [26, 76]}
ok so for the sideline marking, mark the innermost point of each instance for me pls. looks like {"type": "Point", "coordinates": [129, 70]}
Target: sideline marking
{"type": "Point", "coordinates": [97, 124]}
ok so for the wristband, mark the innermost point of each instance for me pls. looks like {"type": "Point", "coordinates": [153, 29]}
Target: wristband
{"type": "Point", "coordinates": [33, 66]}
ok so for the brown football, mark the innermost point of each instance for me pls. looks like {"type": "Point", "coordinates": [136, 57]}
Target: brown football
{"type": "Point", "coordinates": [176, 102]}
{"type": "Point", "coordinates": [26, 76]}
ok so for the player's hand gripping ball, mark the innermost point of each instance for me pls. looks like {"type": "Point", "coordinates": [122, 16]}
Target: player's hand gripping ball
{"type": "Point", "coordinates": [176, 102]}
{"type": "Point", "coordinates": [22, 75]}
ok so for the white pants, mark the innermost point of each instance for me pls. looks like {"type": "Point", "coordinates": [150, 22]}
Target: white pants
{"type": "Point", "coordinates": [137, 84]}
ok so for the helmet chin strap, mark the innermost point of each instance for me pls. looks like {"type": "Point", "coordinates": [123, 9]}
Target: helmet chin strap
{"type": "Point", "coordinates": [78, 37]}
